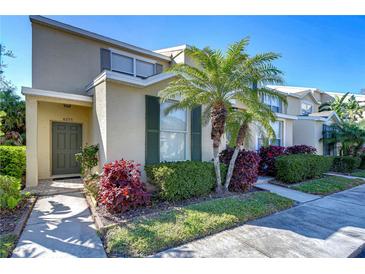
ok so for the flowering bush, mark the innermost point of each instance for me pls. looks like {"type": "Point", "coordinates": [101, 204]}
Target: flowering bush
{"type": "Point", "coordinates": [268, 155]}
{"type": "Point", "coordinates": [246, 168]}
{"type": "Point", "coordinates": [121, 187]}
{"type": "Point", "coordinates": [300, 149]}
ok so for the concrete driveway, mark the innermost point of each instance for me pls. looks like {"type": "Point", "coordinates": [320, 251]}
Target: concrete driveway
{"type": "Point", "coordinates": [60, 226]}
{"type": "Point", "coordinates": [333, 226]}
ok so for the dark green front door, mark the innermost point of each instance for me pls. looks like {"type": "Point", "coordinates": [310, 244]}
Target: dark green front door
{"type": "Point", "coordinates": [66, 142]}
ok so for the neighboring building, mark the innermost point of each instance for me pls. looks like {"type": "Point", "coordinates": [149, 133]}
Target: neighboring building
{"type": "Point", "coordinates": [310, 126]}
{"type": "Point", "coordinates": [90, 89]}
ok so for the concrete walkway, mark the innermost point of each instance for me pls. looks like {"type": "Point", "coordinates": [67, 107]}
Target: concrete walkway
{"type": "Point", "coordinates": [60, 226]}
{"type": "Point", "coordinates": [333, 226]}
{"type": "Point", "coordinates": [292, 194]}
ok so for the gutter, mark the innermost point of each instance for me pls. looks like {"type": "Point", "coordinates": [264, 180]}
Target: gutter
{"type": "Point", "coordinates": [107, 75]}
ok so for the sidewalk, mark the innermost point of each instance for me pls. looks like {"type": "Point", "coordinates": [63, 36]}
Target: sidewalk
{"type": "Point", "coordinates": [60, 226]}
{"type": "Point", "coordinates": [333, 226]}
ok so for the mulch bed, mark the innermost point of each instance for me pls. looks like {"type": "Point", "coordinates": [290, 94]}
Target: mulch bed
{"type": "Point", "coordinates": [10, 218]}
{"type": "Point", "coordinates": [157, 207]}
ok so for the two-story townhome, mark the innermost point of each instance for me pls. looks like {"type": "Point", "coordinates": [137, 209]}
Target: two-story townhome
{"type": "Point", "coordinates": [87, 88]}
{"type": "Point", "coordinates": [90, 89]}
{"type": "Point", "coordinates": [310, 126]}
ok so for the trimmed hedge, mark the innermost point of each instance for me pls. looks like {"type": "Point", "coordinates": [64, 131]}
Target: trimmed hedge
{"type": "Point", "coordinates": [299, 167]}
{"type": "Point", "coordinates": [12, 161]}
{"type": "Point", "coordinates": [346, 163]}
{"type": "Point", "coordinates": [182, 180]}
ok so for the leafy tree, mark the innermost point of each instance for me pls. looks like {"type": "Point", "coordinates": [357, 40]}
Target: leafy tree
{"type": "Point", "coordinates": [2, 115]}
{"type": "Point", "coordinates": [351, 137]}
{"type": "Point", "coordinates": [4, 84]}
{"type": "Point", "coordinates": [13, 122]}
{"type": "Point", "coordinates": [348, 110]}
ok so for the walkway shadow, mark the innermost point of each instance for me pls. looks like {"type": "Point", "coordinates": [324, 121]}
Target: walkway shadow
{"type": "Point", "coordinates": [71, 236]}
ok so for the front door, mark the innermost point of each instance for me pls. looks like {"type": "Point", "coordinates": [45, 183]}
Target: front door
{"type": "Point", "coordinates": [66, 142]}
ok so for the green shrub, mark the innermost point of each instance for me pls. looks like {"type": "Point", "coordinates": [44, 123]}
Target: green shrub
{"type": "Point", "coordinates": [362, 163]}
{"type": "Point", "coordinates": [182, 180]}
{"type": "Point", "coordinates": [12, 161]}
{"type": "Point", "coordinates": [346, 164]}
{"type": "Point", "coordinates": [299, 167]}
{"type": "Point", "coordinates": [88, 158]}
{"type": "Point", "coordinates": [10, 195]}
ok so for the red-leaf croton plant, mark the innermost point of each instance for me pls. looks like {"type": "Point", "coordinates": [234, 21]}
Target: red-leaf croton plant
{"type": "Point", "coordinates": [121, 187]}
{"type": "Point", "coordinates": [246, 168]}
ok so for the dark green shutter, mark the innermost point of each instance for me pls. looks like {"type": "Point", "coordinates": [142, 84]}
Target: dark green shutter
{"type": "Point", "coordinates": [152, 129]}
{"type": "Point", "coordinates": [105, 59]}
{"type": "Point", "coordinates": [196, 134]}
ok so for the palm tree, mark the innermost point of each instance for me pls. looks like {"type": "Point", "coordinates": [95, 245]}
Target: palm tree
{"type": "Point", "coordinates": [238, 126]}
{"type": "Point", "coordinates": [259, 70]}
{"type": "Point", "coordinates": [348, 110]}
{"type": "Point", "coordinates": [214, 83]}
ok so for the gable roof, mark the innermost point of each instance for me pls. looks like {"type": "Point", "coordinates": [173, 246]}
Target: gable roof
{"type": "Point", "coordinates": [91, 35]}
{"type": "Point", "coordinates": [321, 116]}
{"type": "Point", "coordinates": [298, 92]}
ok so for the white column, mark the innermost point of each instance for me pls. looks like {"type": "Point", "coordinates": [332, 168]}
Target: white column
{"type": "Point", "coordinates": [32, 141]}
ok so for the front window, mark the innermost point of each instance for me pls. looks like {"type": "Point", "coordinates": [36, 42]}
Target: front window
{"type": "Point", "coordinates": [173, 134]}
{"type": "Point", "coordinates": [134, 66]}
{"type": "Point", "coordinates": [306, 109]}
{"type": "Point", "coordinates": [273, 102]}
{"type": "Point", "coordinates": [277, 126]}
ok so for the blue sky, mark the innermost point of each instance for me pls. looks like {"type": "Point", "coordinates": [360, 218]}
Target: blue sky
{"type": "Point", "coordinates": [327, 52]}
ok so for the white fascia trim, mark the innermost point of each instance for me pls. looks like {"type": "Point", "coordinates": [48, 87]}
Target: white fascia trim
{"type": "Point", "coordinates": [56, 94]}
{"type": "Point", "coordinates": [297, 96]}
{"type": "Point", "coordinates": [49, 22]}
{"type": "Point", "coordinates": [312, 118]}
{"type": "Point", "coordinates": [177, 48]}
{"type": "Point", "coordinates": [128, 80]}
{"type": "Point", "coordinates": [286, 116]}
{"type": "Point", "coordinates": [322, 119]}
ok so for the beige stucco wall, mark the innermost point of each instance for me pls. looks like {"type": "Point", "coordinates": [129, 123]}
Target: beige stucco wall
{"type": "Point", "coordinates": [309, 132]}
{"type": "Point", "coordinates": [294, 104]}
{"type": "Point", "coordinates": [65, 62]}
{"type": "Point", "coordinates": [98, 122]}
{"type": "Point", "coordinates": [56, 112]}
{"type": "Point", "coordinates": [288, 132]}
{"type": "Point", "coordinates": [125, 115]}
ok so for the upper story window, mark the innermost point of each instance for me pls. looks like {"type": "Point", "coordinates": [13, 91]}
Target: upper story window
{"type": "Point", "coordinates": [133, 65]}
{"type": "Point", "coordinates": [273, 102]}
{"type": "Point", "coordinates": [306, 108]}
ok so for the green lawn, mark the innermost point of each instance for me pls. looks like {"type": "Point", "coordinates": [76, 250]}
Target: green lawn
{"type": "Point", "coordinates": [360, 173]}
{"type": "Point", "coordinates": [6, 245]}
{"type": "Point", "coordinates": [327, 185]}
{"type": "Point", "coordinates": [180, 226]}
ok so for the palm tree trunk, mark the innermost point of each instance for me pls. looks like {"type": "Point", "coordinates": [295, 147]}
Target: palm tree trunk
{"type": "Point", "coordinates": [232, 163]}
{"type": "Point", "coordinates": [218, 119]}
{"type": "Point", "coordinates": [242, 133]}
{"type": "Point", "coordinates": [217, 169]}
